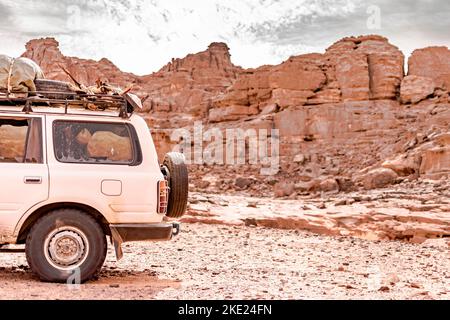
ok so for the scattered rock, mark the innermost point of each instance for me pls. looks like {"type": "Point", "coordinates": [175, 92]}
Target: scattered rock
{"type": "Point", "coordinates": [203, 184]}
{"type": "Point", "coordinates": [321, 206]}
{"type": "Point", "coordinates": [384, 289]}
{"type": "Point", "coordinates": [252, 204]}
{"type": "Point", "coordinates": [341, 202]}
{"type": "Point", "coordinates": [392, 279]}
{"type": "Point", "coordinates": [415, 285]}
{"type": "Point", "coordinates": [328, 185]}
{"type": "Point", "coordinates": [242, 182]}
{"type": "Point", "coordinates": [306, 186]}
{"type": "Point", "coordinates": [282, 189]}
{"type": "Point", "coordinates": [300, 158]}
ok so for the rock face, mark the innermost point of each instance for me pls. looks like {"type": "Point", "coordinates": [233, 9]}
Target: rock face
{"type": "Point", "coordinates": [432, 62]}
{"type": "Point", "coordinates": [182, 86]}
{"type": "Point", "coordinates": [340, 112]}
{"type": "Point", "coordinates": [353, 69]}
{"type": "Point", "coordinates": [47, 54]}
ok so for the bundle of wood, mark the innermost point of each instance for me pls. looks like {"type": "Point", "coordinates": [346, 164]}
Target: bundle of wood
{"type": "Point", "coordinates": [103, 87]}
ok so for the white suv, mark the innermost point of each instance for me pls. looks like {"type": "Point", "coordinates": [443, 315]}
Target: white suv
{"type": "Point", "coordinates": [74, 171]}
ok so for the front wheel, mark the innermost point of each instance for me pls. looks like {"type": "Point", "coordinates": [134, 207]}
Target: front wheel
{"type": "Point", "coordinates": [66, 245]}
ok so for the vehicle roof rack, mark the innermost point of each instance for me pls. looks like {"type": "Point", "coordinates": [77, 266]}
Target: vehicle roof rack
{"type": "Point", "coordinates": [125, 104]}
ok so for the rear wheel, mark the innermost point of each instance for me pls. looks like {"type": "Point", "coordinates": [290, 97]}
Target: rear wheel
{"type": "Point", "coordinates": [177, 176]}
{"type": "Point", "coordinates": [66, 245]}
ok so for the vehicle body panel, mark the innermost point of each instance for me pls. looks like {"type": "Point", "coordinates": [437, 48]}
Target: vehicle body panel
{"type": "Point", "coordinates": [123, 194]}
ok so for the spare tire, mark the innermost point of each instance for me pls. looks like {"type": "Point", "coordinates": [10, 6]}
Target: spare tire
{"type": "Point", "coordinates": [49, 86]}
{"type": "Point", "coordinates": [177, 176]}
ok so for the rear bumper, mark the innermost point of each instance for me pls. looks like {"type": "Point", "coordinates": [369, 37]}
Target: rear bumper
{"type": "Point", "coordinates": [145, 232]}
{"type": "Point", "coordinates": [141, 232]}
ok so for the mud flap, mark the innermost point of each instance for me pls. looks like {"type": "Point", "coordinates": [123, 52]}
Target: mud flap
{"type": "Point", "coordinates": [117, 241]}
{"type": "Point", "coordinates": [121, 233]}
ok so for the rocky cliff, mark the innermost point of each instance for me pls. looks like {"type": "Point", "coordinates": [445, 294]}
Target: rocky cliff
{"type": "Point", "coordinates": [348, 118]}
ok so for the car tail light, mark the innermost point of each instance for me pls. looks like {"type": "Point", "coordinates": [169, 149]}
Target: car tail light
{"type": "Point", "coordinates": [163, 196]}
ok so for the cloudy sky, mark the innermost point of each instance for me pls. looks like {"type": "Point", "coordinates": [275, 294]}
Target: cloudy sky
{"type": "Point", "coordinates": [141, 36]}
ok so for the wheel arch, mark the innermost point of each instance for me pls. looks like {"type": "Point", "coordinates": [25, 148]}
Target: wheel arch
{"type": "Point", "coordinates": [33, 217]}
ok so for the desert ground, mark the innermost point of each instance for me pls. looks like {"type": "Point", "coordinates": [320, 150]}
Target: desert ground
{"type": "Point", "coordinates": [224, 259]}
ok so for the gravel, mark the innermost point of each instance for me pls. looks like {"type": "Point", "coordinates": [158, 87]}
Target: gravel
{"type": "Point", "coordinates": [237, 262]}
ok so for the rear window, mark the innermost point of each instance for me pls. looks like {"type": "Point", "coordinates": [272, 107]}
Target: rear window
{"type": "Point", "coordinates": [95, 142]}
{"type": "Point", "coordinates": [21, 140]}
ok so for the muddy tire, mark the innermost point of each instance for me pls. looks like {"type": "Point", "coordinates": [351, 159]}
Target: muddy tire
{"type": "Point", "coordinates": [66, 245]}
{"type": "Point", "coordinates": [50, 86]}
{"type": "Point", "coordinates": [178, 183]}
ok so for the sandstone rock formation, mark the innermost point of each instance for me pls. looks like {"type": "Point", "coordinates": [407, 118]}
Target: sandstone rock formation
{"type": "Point", "coordinates": [353, 69]}
{"type": "Point", "coordinates": [431, 62]}
{"type": "Point", "coordinates": [47, 54]}
{"type": "Point", "coordinates": [182, 86]}
{"type": "Point", "coordinates": [427, 156]}
{"type": "Point", "coordinates": [340, 112]}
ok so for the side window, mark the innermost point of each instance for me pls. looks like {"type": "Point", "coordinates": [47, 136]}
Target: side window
{"type": "Point", "coordinates": [95, 142]}
{"type": "Point", "coordinates": [21, 140]}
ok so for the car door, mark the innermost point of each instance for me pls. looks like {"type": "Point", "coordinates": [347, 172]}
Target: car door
{"type": "Point", "coordinates": [24, 176]}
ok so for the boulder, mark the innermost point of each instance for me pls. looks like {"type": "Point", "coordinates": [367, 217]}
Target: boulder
{"type": "Point", "coordinates": [300, 158]}
{"type": "Point", "coordinates": [242, 182]}
{"type": "Point", "coordinates": [416, 88]}
{"type": "Point", "coordinates": [306, 186]}
{"type": "Point", "coordinates": [283, 189]}
{"type": "Point", "coordinates": [403, 164]}
{"type": "Point", "coordinates": [329, 185]}
{"type": "Point", "coordinates": [378, 178]}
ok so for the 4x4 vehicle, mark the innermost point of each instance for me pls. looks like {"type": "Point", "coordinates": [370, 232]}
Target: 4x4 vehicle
{"type": "Point", "coordinates": [76, 168]}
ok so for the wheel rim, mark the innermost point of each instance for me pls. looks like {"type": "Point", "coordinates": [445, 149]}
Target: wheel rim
{"type": "Point", "coordinates": [66, 248]}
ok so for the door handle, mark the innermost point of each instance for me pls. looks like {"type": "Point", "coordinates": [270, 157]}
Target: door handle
{"type": "Point", "coordinates": [33, 180]}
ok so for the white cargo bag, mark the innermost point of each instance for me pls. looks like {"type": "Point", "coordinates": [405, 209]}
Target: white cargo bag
{"type": "Point", "coordinates": [18, 75]}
